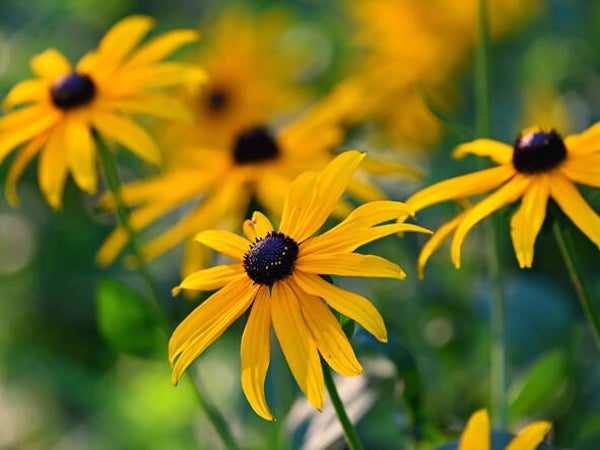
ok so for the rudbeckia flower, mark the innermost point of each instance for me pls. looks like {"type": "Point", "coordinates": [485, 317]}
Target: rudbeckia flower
{"type": "Point", "coordinates": [541, 165]}
{"type": "Point", "coordinates": [277, 276]}
{"type": "Point", "coordinates": [476, 435]}
{"type": "Point", "coordinates": [57, 113]}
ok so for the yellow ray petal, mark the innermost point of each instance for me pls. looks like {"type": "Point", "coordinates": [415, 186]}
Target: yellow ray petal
{"type": "Point", "coordinates": [436, 241]}
{"type": "Point", "coordinates": [25, 92]}
{"type": "Point", "coordinates": [81, 154]}
{"type": "Point", "coordinates": [121, 39]}
{"type": "Point", "coordinates": [348, 264]}
{"type": "Point", "coordinates": [52, 168]}
{"type": "Point", "coordinates": [583, 169]}
{"type": "Point", "coordinates": [499, 152]}
{"type": "Point", "coordinates": [255, 353]}
{"type": "Point", "coordinates": [297, 343]}
{"type": "Point", "coordinates": [348, 303]}
{"type": "Point", "coordinates": [215, 311]}
{"type": "Point", "coordinates": [476, 435]}
{"type": "Point", "coordinates": [527, 221]}
{"type": "Point", "coordinates": [112, 246]}
{"type": "Point", "coordinates": [50, 65]}
{"type": "Point", "coordinates": [127, 133]}
{"type": "Point", "coordinates": [161, 47]}
{"type": "Point", "coordinates": [297, 202]}
{"type": "Point", "coordinates": [155, 104]}
{"type": "Point", "coordinates": [530, 437]}
{"type": "Point", "coordinates": [508, 193]}
{"type": "Point", "coordinates": [18, 165]}
{"type": "Point", "coordinates": [225, 242]}
{"type": "Point", "coordinates": [459, 187]}
{"type": "Point", "coordinates": [257, 227]}
{"type": "Point", "coordinates": [585, 142]}
{"type": "Point", "coordinates": [155, 76]}
{"type": "Point", "coordinates": [331, 340]}
{"type": "Point", "coordinates": [210, 279]}
{"type": "Point", "coordinates": [575, 207]}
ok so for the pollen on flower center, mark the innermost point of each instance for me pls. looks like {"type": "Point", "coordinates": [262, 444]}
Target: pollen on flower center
{"type": "Point", "coordinates": [271, 258]}
{"type": "Point", "coordinates": [72, 90]}
{"type": "Point", "coordinates": [255, 145]}
{"type": "Point", "coordinates": [538, 151]}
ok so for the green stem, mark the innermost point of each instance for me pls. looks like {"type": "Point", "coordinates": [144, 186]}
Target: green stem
{"type": "Point", "coordinates": [114, 184]}
{"type": "Point", "coordinates": [567, 251]}
{"type": "Point", "coordinates": [350, 434]}
{"type": "Point", "coordinates": [498, 331]}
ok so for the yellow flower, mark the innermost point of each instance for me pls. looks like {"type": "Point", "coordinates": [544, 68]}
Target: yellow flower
{"type": "Point", "coordinates": [541, 165]}
{"type": "Point", "coordinates": [57, 113]}
{"type": "Point", "coordinates": [477, 434]}
{"type": "Point", "coordinates": [277, 275]}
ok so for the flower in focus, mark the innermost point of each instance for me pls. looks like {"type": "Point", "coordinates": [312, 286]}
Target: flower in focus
{"type": "Point", "coordinates": [476, 435]}
{"type": "Point", "coordinates": [56, 114]}
{"type": "Point", "coordinates": [541, 165]}
{"type": "Point", "coordinates": [277, 275]}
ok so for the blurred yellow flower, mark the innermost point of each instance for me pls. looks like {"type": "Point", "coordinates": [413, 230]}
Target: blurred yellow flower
{"type": "Point", "coordinates": [541, 165]}
{"type": "Point", "coordinates": [476, 435]}
{"type": "Point", "coordinates": [57, 113]}
{"type": "Point", "coordinates": [278, 275]}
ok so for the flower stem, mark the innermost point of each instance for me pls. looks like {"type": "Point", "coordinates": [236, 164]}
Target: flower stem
{"type": "Point", "coordinates": [350, 434]}
{"type": "Point", "coordinates": [114, 184]}
{"type": "Point", "coordinates": [565, 245]}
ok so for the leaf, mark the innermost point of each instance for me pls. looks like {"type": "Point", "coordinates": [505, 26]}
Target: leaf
{"type": "Point", "coordinates": [128, 321]}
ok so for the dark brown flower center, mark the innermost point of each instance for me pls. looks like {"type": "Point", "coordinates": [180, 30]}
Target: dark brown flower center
{"type": "Point", "coordinates": [217, 100]}
{"type": "Point", "coordinates": [72, 90]}
{"type": "Point", "coordinates": [255, 145]}
{"type": "Point", "coordinates": [538, 151]}
{"type": "Point", "coordinates": [271, 258]}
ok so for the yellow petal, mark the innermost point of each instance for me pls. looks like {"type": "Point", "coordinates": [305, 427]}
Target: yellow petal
{"type": "Point", "coordinates": [50, 65]}
{"type": "Point", "coordinates": [459, 187]}
{"type": "Point", "coordinates": [112, 246]}
{"type": "Point", "coordinates": [499, 152]}
{"type": "Point", "coordinates": [153, 104]}
{"type": "Point", "coordinates": [257, 227]}
{"type": "Point", "coordinates": [212, 278]}
{"type": "Point", "coordinates": [331, 340]}
{"type": "Point", "coordinates": [122, 38]}
{"type": "Point", "coordinates": [18, 165]}
{"type": "Point", "coordinates": [25, 92]}
{"type": "Point", "coordinates": [297, 202]}
{"type": "Point", "coordinates": [575, 207]}
{"type": "Point", "coordinates": [161, 47]}
{"type": "Point", "coordinates": [508, 193]}
{"type": "Point", "coordinates": [81, 154]}
{"type": "Point", "coordinates": [52, 168]}
{"type": "Point", "coordinates": [208, 321]}
{"type": "Point", "coordinates": [225, 242]}
{"type": "Point", "coordinates": [156, 76]}
{"type": "Point", "coordinates": [436, 241]}
{"type": "Point", "coordinates": [527, 221]}
{"type": "Point", "coordinates": [584, 169]}
{"type": "Point", "coordinates": [255, 353]}
{"type": "Point", "coordinates": [476, 435]}
{"type": "Point", "coordinates": [530, 437]}
{"type": "Point", "coordinates": [348, 303]}
{"type": "Point", "coordinates": [297, 343]}
{"type": "Point", "coordinates": [585, 142]}
{"type": "Point", "coordinates": [127, 133]}
{"type": "Point", "coordinates": [348, 264]}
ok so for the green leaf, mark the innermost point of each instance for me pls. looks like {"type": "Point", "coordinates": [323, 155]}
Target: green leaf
{"type": "Point", "coordinates": [128, 321]}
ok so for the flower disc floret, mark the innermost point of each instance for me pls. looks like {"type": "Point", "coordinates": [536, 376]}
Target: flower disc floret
{"type": "Point", "coordinates": [538, 151]}
{"type": "Point", "coordinates": [255, 145]}
{"type": "Point", "coordinates": [271, 258]}
{"type": "Point", "coordinates": [72, 90]}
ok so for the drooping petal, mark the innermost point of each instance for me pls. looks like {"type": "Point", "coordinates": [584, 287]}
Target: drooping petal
{"type": "Point", "coordinates": [331, 340]}
{"type": "Point", "coordinates": [527, 221]}
{"type": "Point", "coordinates": [211, 278]}
{"type": "Point", "coordinates": [575, 207]}
{"type": "Point", "coordinates": [436, 241]}
{"type": "Point", "coordinates": [583, 169]}
{"type": "Point", "coordinates": [348, 264]}
{"type": "Point", "coordinates": [257, 227]}
{"type": "Point", "coordinates": [127, 133]}
{"type": "Point", "coordinates": [255, 353]}
{"type": "Point", "coordinates": [161, 47]}
{"type": "Point", "coordinates": [459, 187]}
{"type": "Point", "coordinates": [530, 437]}
{"type": "Point", "coordinates": [18, 165]}
{"type": "Point", "coordinates": [81, 154]}
{"type": "Point", "coordinates": [52, 168]}
{"type": "Point", "coordinates": [499, 152]}
{"type": "Point", "coordinates": [476, 435]}
{"type": "Point", "coordinates": [348, 303]}
{"type": "Point", "coordinates": [50, 65]}
{"type": "Point", "coordinates": [26, 91]}
{"type": "Point", "coordinates": [208, 321]}
{"type": "Point", "coordinates": [297, 343]}
{"type": "Point", "coordinates": [225, 242]}
{"type": "Point", "coordinates": [508, 193]}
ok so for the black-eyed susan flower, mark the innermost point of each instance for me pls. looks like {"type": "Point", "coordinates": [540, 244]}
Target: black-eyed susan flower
{"type": "Point", "coordinates": [56, 114]}
{"type": "Point", "coordinates": [541, 165]}
{"type": "Point", "coordinates": [476, 435]}
{"type": "Point", "coordinates": [277, 275]}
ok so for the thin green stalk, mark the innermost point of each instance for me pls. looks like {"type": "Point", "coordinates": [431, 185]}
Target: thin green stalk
{"type": "Point", "coordinates": [567, 251]}
{"type": "Point", "coordinates": [114, 184]}
{"type": "Point", "coordinates": [350, 433]}
{"type": "Point", "coordinates": [498, 333]}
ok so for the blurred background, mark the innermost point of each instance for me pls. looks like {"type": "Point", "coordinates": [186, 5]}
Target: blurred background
{"type": "Point", "coordinates": [82, 364]}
